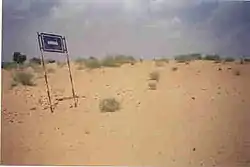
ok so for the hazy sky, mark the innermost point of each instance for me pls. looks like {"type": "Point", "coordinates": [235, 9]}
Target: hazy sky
{"type": "Point", "coordinates": [142, 28]}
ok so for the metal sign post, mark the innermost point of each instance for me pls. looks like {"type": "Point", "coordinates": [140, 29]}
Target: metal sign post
{"type": "Point", "coordinates": [70, 75]}
{"type": "Point", "coordinates": [54, 43]}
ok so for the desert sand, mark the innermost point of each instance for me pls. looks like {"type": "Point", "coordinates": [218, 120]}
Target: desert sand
{"type": "Point", "coordinates": [198, 116]}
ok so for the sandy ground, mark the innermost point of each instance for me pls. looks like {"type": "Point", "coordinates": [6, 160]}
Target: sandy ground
{"type": "Point", "coordinates": [198, 116]}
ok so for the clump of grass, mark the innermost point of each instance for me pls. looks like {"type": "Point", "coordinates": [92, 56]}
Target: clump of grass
{"type": "Point", "coordinates": [92, 63]}
{"type": "Point", "coordinates": [154, 76]}
{"type": "Point", "coordinates": [152, 85]}
{"type": "Point", "coordinates": [110, 61]}
{"type": "Point", "coordinates": [161, 62]}
{"type": "Point", "coordinates": [51, 70]}
{"type": "Point", "coordinates": [80, 60]}
{"type": "Point", "coordinates": [109, 105]}
{"type": "Point", "coordinates": [13, 84]}
{"type": "Point", "coordinates": [80, 67]}
{"type": "Point", "coordinates": [61, 64]}
{"type": "Point", "coordinates": [9, 65]}
{"type": "Point", "coordinates": [174, 68]}
{"type": "Point", "coordinates": [23, 78]}
{"type": "Point", "coordinates": [237, 72]}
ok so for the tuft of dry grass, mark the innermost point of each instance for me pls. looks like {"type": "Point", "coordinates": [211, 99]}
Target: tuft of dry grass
{"type": "Point", "coordinates": [51, 70]}
{"type": "Point", "coordinates": [152, 85]}
{"type": "Point", "coordinates": [174, 68]}
{"type": "Point", "coordinates": [61, 64]}
{"type": "Point", "coordinates": [237, 72]}
{"type": "Point", "coordinates": [24, 78]}
{"type": "Point", "coordinates": [109, 105]}
{"type": "Point", "coordinates": [155, 75]}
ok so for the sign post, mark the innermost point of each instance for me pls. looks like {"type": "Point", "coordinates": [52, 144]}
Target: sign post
{"type": "Point", "coordinates": [54, 43]}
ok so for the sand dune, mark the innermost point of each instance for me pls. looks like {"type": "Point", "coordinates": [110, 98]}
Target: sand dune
{"type": "Point", "coordinates": [198, 116]}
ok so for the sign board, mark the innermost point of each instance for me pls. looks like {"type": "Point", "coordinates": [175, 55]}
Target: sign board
{"type": "Point", "coordinates": [52, 43]}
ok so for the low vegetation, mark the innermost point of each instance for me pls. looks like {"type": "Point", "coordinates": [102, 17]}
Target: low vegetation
{"type": "Point", "coordinates": [109, 105]}
{"type": "Point", "coordinates": [161, 62]}
{"type": "Point", "coordinates": [212, 57]}
{"type": "Point", "coordinates": [152, 85]}
{"type": "Point", "coordinates": [92, 63]}
{"type": "Point", "coordinates": [155, 75]}
{"type": "Point", "coordinates": [229, 59]}
{"type": "Point", "coordinates": [187, 58]}
{"type": "Point", "coordinates": [24, 78]}
{"type": "Point", "coordinates": [51, 70]}
{"type": "Point", "coordinates": [174, 68]}
{"type": "Point", "coordinates": [9, 65]}
{"type": "Point", "coordinates": [237, 72]}
{"type": "Point", "coordinates": [108, 61]}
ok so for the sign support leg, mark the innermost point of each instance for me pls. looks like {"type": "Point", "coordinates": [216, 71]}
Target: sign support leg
{"type": "Point", "coordinates": [71, 80]}
{"type": "Point", "coordinates": [45, 75]}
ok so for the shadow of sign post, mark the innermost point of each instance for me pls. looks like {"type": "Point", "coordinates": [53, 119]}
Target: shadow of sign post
{"type": "Point", "coordinates": [54, 43]}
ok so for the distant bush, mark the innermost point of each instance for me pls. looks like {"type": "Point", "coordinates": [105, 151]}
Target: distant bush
{"type": "Point", "coordinates": [154, 76]}
{"type": "Point", "coordinates": [23, 78]}
{"type": "Point", "coordinates": [35, 60]}
{"type": "Point", "coordinates": [110, 61]}
{"type": "Point", "coordinates": [122, 59]}
{"type": "Point", "coordinates": [50, 61]}
{"type": "Point", "coordinates": [188, 57]}
{"type": "Point", "coordinates": [92, 63]}
{"type": "Point", "coordinates": [212, 57]}
{"type": "Point", "coordinates": [246, 59]}
{"type": "Point", "coordinates": [229, 59]}
{"type": "Point", "coordinates": [117, 61]}
{"type": "Point", "coordinates": [80, 60]}
{"type": "Point", "coordinates": [161, 62]}
{"type": "Point", "coordinates": [9, 65]}
{"type": "Point", "coordinates": [109, 105]}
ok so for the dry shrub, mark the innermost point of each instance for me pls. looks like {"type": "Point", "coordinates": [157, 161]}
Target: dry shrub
{"type": "Point", "coordinates": [155, 75]}
{"type": "Point", "coordinates": [51, 70]}
{"type": "Point", "coordinates": [152, 85]}
{"type": "Point", "coordinates": [159, 63]}
{"type": "Point", "coordinates": [237, 72]}
{"type": "Point", "coordinates": [109, 105]}
{"type": "Point", "coordinates": [174, 68]}
{"type": "Point", "coordinates": [24, 78]}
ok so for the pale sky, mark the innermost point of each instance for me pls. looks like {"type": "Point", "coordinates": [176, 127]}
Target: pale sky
{"type": "Point", "coordinates": [141, 28]}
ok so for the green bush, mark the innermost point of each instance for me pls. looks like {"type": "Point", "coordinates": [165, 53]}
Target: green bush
{"type": "Point", "coordinates": [23, 78]}
{"type": "Point", "coordinates": [109, 105]}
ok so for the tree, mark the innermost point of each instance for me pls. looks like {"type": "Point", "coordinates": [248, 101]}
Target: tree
{"type": "Point", "coordinates": [19, 58]}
